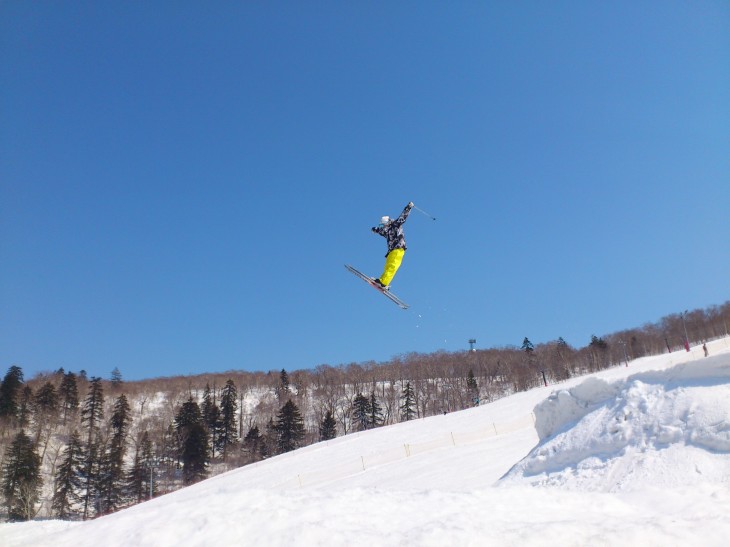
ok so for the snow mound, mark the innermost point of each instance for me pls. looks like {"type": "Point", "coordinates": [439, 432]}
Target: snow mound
{"type": "Point", "coordinates": [659, 428]}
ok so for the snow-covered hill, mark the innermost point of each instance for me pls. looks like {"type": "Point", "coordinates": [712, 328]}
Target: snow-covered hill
{"type": "Point", "coordinates": [636, 455]}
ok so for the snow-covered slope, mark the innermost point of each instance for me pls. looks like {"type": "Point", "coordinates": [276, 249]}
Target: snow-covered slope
{"type": "Point", "coordinates": [636, 455]}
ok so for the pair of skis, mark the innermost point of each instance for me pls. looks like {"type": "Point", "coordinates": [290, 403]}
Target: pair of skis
{"type": "Point", "coordinates": [385, 292]}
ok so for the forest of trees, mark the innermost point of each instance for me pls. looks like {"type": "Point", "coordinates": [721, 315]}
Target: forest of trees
{"type": "Point", "coordinates": [74, 447]}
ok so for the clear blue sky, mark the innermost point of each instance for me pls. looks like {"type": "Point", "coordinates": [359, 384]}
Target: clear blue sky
{"type": "Point", "coordinates": [182, 182]}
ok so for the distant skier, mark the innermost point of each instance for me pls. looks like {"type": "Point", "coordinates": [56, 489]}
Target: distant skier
{"type": "Point", "coordinates": [392, 231]}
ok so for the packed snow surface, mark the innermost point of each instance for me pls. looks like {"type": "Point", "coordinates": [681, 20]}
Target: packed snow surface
{"type": "Point", "coordinates": [635, 455]}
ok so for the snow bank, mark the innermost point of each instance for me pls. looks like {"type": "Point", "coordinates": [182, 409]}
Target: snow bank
{"type": "Point", "coordinates": [657, 428]}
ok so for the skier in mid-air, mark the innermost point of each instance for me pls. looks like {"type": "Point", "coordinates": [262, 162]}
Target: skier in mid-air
{"type": "Point", "coordinates": [392, 231]}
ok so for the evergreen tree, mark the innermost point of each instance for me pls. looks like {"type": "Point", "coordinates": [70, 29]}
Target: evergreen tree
{"type": "Point", "coordinates": [111, 479]}
{"type": "Point", "coordinates": [21, 478]}
{"type": "Point", "coordinates": [527, 346]}
{"type": "Point", "coordinates": [361, 412]}
{"type": "Point", "coordinates": [376, 411]}
{"type": "Point", "coordinates": [254, 444]}
{"type": "Point", "coordinates": [473, 387]}
{"type": "Point", "coordinates": [168, 454]}
{"type": "Point", "coordinates": [69, 393]}
{"type": "Point", "coordinates": [208, 404]}
{"type": "Point", "coordinates": [229, 406]}
{"type": "Point", "coordinates": [116, 379]}
{"type": "Point", "coordinates": [92, 414]}
{"type": "Point", "coordinates": [189, 414]}
{"type": "Point", "coordinates": [193, 442]}
{"type": "Point", "coordinates": [471, 381]}
{"type": "Point", "coordinates": [121, 419]}
{"type": "Point", "coordinates": [25, 405]}
{"type": "Point", "coordinates": [46, 408]}
{"type": "Point", "coordinates": [328, 427]}
{"type": "Point", "coordinates": [282, 390]}
{"type": "Point", "coordinates": [46, 399]}
{"type": "Point", "coordinates": [10, 392]}
{"type": "Point", "coordinates": [66, 495]}
{"type": "Point", "coordinates": [407, 410]}
{"type": "Point", "coordinates": [270, 439]}
{"type": "Point", "coordinates": [599, 349]}
{"type": "Point", "coordinates": [562, 348]}
{"type": "Point", "coordinates": [195, 454]}
{"type": "Point", "coordinates": [211, 415]}
{"type": "Point", "coordinates": [598, 343]}
{"type": "Point", "coordinates": [289, 428]}
{"type": "Point", "coordinates": [284, 381]}
{"type": "Point", "coordinates": [140, 475]}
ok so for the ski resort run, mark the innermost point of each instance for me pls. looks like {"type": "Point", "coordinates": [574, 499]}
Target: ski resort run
{"type": "Point", "coordinates": [635, 455]}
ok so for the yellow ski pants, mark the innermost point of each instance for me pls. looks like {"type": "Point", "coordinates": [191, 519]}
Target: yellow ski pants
{"type": "Point", "coordinates": [392, 263]}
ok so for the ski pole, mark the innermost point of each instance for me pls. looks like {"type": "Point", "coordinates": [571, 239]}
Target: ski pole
{"type": "Point", "coordinates": [424, 212]}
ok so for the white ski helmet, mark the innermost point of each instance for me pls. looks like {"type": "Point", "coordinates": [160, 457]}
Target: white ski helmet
{"type": "Point", "coordinates": [385, 220]}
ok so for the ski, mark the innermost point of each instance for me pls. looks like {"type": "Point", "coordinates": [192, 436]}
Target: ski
{"type": "Point", "coordinates": [370, 281]}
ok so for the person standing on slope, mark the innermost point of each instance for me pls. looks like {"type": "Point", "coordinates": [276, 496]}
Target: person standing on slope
{"type": "Point", "coordinates": [392, 231]}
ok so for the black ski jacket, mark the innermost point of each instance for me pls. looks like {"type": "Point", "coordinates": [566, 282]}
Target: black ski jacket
{"type": "Point", "coordinates": [393, 232]}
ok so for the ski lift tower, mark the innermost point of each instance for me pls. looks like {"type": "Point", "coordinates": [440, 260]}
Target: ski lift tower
{"type": "Point", "coordinates": [471, 344]}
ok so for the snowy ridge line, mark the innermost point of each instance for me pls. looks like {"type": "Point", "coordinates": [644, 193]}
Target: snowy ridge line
{"type": "Point", "coordinates": [346, 469]}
